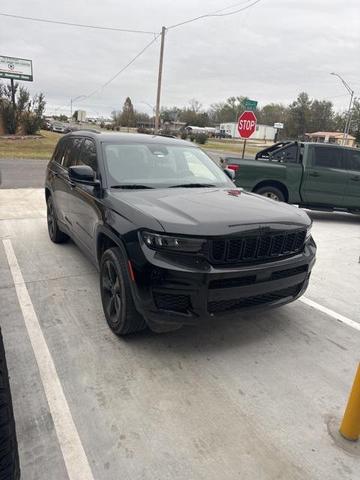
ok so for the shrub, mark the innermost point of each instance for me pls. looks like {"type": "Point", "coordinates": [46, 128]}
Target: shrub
{"type": "Point", "coordinates": [31, 119]}
{"type": "Point", "coordinates": [201, 138]}
{"type": "Point", "coordinates": [183, 135]}
{"type": "Point", "coordinates": [27, 114]}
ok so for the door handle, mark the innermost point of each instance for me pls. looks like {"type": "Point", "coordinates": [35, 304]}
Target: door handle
{"type": "Point", "coordinates": [356, 178]}
{"type": "Point", "coordinates": [314, 174]}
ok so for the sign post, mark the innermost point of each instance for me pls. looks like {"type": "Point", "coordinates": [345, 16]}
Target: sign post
{"type": "Point", "coordinates": [15, 68]}
{"type": "Point", "coordinates": [246, 126]}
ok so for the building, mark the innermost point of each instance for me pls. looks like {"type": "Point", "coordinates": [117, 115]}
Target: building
{"type": "Point", "coordinates": [81, 116]}
{"type": "Point", "coordinates": [331, 137]}
{"type": "Point", "coordinates": [262, 132]}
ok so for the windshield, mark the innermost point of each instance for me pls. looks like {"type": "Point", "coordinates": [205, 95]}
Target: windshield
{"type": "Point", "coordinates": [161, 166]}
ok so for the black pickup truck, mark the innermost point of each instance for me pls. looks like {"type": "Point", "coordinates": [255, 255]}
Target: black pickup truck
{"type": "Point", "coordinates": [311, 175]}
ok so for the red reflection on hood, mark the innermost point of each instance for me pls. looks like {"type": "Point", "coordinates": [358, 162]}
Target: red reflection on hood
{"type": "Point", "coordinates": [234, 193]}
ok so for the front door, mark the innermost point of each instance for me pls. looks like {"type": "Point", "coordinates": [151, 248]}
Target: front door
{"type": "Point", "coordinates": [352, 194]}
{"type": "Point", "coordinates": [85, 213]}
{"type": "Point", "coordinates": [325, 177]}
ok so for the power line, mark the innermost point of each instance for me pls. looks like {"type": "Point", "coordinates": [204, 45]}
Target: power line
{"type": "Point", "coordinates": [121, 70]}
{"type": "Point", "coordinates": [215, 14]}
{"type": "Point", "coordinates": [81, 25]}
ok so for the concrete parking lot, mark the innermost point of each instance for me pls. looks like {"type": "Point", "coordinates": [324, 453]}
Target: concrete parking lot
{"type": "Point", "coordinates": [248, 398]}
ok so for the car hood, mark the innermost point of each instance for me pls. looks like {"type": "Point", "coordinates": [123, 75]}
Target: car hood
{"type": "Point", "coordinates": [209, 211]}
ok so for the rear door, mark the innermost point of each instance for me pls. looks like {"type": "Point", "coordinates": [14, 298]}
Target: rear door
{"type": "Point", "coordinates": [352, 163]}
{"type": "Point", "coordinates": [56, 180]}
{"type": "Point", "coordinates": [325, 177]}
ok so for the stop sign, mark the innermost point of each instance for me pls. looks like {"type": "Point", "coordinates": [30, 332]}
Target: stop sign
{"type": "Point", "coordinates": [246, 124]}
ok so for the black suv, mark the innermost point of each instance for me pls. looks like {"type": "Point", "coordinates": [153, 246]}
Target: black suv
{"type": "Point", "coordinates": [175, 241]}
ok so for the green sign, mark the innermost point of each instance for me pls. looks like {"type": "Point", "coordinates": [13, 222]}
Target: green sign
{"type": "Point", "coordinates": [250, 104]}
{"type": "Point", "coordinates": [16, 68]}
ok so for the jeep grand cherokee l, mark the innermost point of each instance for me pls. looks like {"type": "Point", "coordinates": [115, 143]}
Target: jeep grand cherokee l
{"type": "Point", "coordinates": [175, 241]}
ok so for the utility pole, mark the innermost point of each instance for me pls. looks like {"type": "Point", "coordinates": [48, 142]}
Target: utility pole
{"type": "Point", "coordinates": [348, 120]}
{"type": "Point", "coordinates": [158, 96]}
{"type": "Point", "coordinates": [349, 114]}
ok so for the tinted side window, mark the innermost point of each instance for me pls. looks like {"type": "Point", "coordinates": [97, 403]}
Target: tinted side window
{"type": "Point", "coordinates": [71, 152]}
{"type": "Point", "coordinates": [88, 154]}
{"type": "Point", "coordinates": [352, 160]}
{"type": "Point", "coordinates": [59, 151]}
{"type": "Point", "coordinates": [287, 154]}
{"type": "Point", "coordinates": [327, 157]}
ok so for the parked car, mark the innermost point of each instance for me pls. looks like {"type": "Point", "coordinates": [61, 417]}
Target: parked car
{"type": "Point", "coordinates": [175, 241]}
{"type": "Point", "coordinates": [60, 127]}
{"type": "Point", "coordinates": [312, 175]}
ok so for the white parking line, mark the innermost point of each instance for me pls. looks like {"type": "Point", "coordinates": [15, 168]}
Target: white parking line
{"type": "Point", "coordinates": [331, 313]}
{"type": "Point", "coordinates": [76, 462]}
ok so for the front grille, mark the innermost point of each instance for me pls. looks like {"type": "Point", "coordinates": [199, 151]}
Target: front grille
{"type": "Point", "coordinates": [256, 248]}
{"type": "Point", "coordinates": [238, 303]}
{"type": "Point", "coordinates": [172, 302]}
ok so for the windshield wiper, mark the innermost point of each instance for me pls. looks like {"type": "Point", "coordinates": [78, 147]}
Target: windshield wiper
{"type": "Point", "coordinates": [193, 185]}
{"type": "Point", "coordinates": [131, 186]}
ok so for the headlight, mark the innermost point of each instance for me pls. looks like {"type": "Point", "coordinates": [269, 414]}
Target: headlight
{"type": "Point", "coordinates": [308, 233]}
{"type": "Point", "coordinates": [156, 241]}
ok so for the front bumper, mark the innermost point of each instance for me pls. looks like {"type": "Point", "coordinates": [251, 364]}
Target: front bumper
{"type": "Point", "coordinates": [169, 295]}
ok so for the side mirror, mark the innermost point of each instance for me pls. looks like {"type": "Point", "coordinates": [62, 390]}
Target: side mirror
{"type": "Point", "coordinates": [230, 173]}
{"type": "Point", "coordinates": [83, 174]}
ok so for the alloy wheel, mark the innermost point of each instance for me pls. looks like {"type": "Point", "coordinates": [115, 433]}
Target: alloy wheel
{"type": "Point", "coordinates": [51, 218]}
{"type": "Point", "coordinates": [111, 291]}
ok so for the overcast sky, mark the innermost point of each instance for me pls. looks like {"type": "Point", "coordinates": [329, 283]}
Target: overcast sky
{"type": "Point", "coordinates": [269, 53]}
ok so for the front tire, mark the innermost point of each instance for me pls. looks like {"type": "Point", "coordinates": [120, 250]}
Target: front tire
{"type": "Point", "coordinates": [55, 234]}
{"type": "Point", "coordinates": [118, 304]}
{"type": "Point", "coordinates": [271, 192]}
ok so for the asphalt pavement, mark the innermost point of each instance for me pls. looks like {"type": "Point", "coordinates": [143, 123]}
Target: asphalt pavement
{"type": "Point", "coordinates": [22, 173]}
{"type": "Point", "coordinates": [252, 397]}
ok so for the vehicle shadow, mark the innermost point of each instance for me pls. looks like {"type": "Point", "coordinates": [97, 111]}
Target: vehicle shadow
{"type": "Point", "coordinates": [333, 216]}
{"type": "Point", "coordinates": [234, 332]}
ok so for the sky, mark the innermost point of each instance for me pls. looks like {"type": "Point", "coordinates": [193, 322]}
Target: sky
{"type": "Point", "coordinates": [269, 52]}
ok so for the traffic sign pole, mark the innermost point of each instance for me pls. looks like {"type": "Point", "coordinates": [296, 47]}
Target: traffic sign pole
{"type": "Point", "coordinates": [244, 147]}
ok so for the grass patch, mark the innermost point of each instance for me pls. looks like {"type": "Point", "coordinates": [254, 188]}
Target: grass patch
{"type": "Point", "coordinates": [250, 150]}
{"type": "Point", "coordinates": [41, 146]}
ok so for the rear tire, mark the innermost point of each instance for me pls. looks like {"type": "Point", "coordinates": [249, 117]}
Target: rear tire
{"type": "Point", "coordinates": [116, 295]}
{"type": "Point", "coordinates": [271, 192]}
{"type": "Point", "coordinates": [9, 457]}
{"type": "Point", "coordinates": [55, 234]}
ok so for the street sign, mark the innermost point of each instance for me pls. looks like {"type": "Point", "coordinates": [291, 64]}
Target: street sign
{"type": "Point", "coordinates": [16, 68]}
{"type": "Point", "coordinates": [278, 125]}
{"type": "Point", "coordinates": [250, 104]}
{"type": "Point", "coordinates": [246, 124]}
